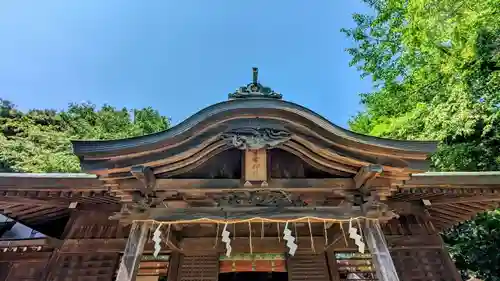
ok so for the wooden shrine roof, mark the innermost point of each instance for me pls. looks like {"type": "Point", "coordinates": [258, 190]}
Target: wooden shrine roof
{"type": "Point", "coordinates": [198, 162]}
{"type": "Point", "coordinates": [223, 126]}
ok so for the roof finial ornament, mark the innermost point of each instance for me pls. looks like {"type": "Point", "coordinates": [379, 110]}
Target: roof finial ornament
{"type": "Point", "coordinates": [255, 89]}
{"type": "Point", "coordinates": [255, 75]}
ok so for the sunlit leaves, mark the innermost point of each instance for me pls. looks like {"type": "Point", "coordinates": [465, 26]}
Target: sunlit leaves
{"type": "Point", "coordinates": [436, 68]}
{"type": "Point", "coordinates": [39, 140]}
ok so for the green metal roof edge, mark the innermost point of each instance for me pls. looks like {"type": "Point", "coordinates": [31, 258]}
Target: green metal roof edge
{"type": "Point", "coordinates": [49, 175]}
{"type": "Point", "coordinates": [445, 174]}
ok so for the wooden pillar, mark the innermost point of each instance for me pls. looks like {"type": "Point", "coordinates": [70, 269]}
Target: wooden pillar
{"type": "Point", "coordinates": [375, 240]}
{"type": "Point", "coordinates": [173, 267]}
{"type": "Point", "coordinates": [129, 264]}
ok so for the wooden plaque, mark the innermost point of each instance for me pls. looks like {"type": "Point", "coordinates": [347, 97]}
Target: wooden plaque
{"type": "Point", "coordinates": [256, 165]}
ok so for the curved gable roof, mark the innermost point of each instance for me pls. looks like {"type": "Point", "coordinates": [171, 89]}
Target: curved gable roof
{"type": "Point", "coordinates": [254, 115]}
{"type": "Point", "coordinates": [314, 133]}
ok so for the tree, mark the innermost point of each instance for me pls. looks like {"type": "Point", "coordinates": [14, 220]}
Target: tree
{"type": "Point", "coordinates": [39, 140]}
{"type": "Point", "coordinates": [435, 65]}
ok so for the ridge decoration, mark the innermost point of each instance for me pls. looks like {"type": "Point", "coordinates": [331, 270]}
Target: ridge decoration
{"type": "Point", "coordinates": [255, 89]}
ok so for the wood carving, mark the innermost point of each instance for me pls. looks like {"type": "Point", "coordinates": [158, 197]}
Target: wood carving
{"type": "Point", "coordinates": [261, 198]}
{"type": "Point", "coordinates": [146, 176]}
{"type": "Point", "coordinates": [256, 138]}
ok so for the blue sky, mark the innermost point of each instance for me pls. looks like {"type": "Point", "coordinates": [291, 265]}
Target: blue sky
{"type": "Point", "coordinates": [177, 56]}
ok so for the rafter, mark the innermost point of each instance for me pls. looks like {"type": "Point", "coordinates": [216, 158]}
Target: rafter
{"type": "Point", "coordinates": [479, 198]}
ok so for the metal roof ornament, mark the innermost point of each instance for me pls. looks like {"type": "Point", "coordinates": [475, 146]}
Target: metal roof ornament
{"type": "Point", "coordinates": [255, 89]}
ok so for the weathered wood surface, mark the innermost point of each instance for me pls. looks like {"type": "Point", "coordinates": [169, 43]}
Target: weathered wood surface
{"type": "Point", "coordinates": [234, 214]}
{"type": "Point", "coordinates": [418, 251]}
{"type": "Point", "coordinates": [255, 165]}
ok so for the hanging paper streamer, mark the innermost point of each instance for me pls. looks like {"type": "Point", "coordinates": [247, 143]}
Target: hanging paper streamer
{"type": "Point", "coordinates": [157, 240]}
{"type": "Point", "coordinates": [353, 234]}
{"type": "Point", "coordinates": [290, 240]}
{"type": "Point", "coordinates": [226, 240]}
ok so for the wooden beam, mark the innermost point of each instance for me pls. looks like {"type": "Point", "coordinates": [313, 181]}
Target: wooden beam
{"type": "Point", "coordinates": [44, 242]}
{"type": "Point", "coordinates": [364, 178]}
{"type": "Point", "coordinates": [207, 214]}
{"type": "Point", "coordinates": [216, 185]}
{"type": "Point", "coordinates": [455, 180]}
{"type": "Point", "coordinates": [206, 245]}
{"type": "Point", "coordinates": [61, 183]}
{"type": "Point", "coordinates": [413, 241]}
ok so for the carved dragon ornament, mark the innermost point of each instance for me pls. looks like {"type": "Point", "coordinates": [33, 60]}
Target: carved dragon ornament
{"type": "Point", "coordinates": [256, 138]}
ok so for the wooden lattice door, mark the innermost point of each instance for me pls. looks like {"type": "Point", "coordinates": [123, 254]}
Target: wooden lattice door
{"type": "Point", "coordinates": [25, 271]}
{"type": "Point", "coordinates": [310, 267]}
{"type": "Point", "coordinates": [417, 250]}
{"type": "Point", "coordinates": [85, 267]}
{"type": "Point", "coordinates": [199, 268]}
{"type": "Point", "coordinates": [422, 265]}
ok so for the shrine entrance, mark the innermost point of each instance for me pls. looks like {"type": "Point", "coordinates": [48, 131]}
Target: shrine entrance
{"type": "Point", "coordinates": [259, 262]}
{"type": "Point", "coordinates": [253, 276]}
{"type": "Point", "coordinates": [258, 267]}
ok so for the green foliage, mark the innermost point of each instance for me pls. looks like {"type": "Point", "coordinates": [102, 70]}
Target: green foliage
{"type": "Point", "coordinates": [481, 258]}
{"type": "Point", "coordinates": [39, 140]}
{"type": "Point", "coordinates": [436, 69]}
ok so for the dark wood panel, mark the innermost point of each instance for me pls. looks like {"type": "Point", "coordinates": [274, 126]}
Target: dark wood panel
{"type": "Point", "coordinates": [4, 270]}
{"type": "Point", "coordinates": [26, 271]}
{"type": "Point", "coordinates": [417, 250]}
{"type": "Point", "coordinates": [199, 268]}
{"type": "Point", "coordinates": [84, 267]}
{"type": "Point", "coordinates": [310, 267]}
{"type": "Point", "coordinates": [24, 257]}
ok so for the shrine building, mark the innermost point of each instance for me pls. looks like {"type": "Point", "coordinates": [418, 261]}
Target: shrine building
{"type": "Point", "coordinates": [251, 188]}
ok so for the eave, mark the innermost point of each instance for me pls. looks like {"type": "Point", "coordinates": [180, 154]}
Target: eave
{"type": "Point", "coordinates": [452, 197]}
{"type": "Point", "coordinates": [39, 199]}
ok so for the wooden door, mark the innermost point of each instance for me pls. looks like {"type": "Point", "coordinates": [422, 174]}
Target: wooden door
{"type": "Point", "coordinates": [308, 267]}
{"type": "Point", "coordinates": [199, 268]}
